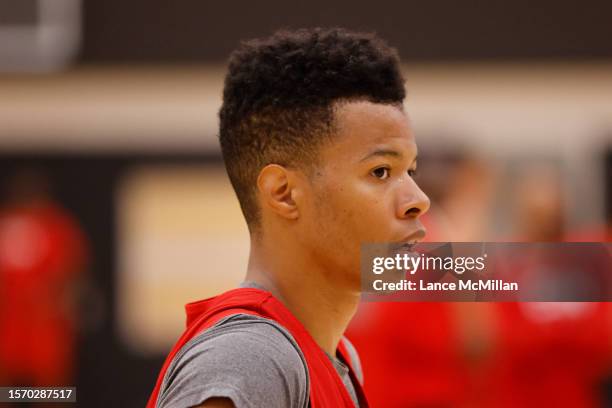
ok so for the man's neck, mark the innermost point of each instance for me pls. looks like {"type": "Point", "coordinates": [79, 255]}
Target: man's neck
{"type": "Point", "coordinates": [324, 310]}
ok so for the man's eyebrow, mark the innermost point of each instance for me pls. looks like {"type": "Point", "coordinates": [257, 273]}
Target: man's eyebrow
{"type": "Point", "coordinates": [386, 152]}
{"type": "Point", "coordinates": [383, 153]}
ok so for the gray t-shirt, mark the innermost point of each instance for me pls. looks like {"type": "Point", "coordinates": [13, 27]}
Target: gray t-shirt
{"type": "Point", "coordinates": [251, 360]}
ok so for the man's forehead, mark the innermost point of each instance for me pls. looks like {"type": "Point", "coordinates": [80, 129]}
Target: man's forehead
{"type": "Point", "coordinates": [365, 126]}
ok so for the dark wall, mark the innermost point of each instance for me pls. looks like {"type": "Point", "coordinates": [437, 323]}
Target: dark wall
{"type": "Point", "coordinates": [196, 30]}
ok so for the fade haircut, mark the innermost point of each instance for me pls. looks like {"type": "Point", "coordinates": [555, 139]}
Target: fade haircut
{"type": "Point", "coordinates": [279, 97]}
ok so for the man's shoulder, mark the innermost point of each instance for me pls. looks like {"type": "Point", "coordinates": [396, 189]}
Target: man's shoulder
{"type": "Point", "coordinates": [246, 336]}
{"type": "Point", "coordinates": [242, 356]}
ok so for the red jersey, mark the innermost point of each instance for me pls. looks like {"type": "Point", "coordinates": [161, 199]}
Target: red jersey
{"type": "Point", "coordinates": [326, 387]}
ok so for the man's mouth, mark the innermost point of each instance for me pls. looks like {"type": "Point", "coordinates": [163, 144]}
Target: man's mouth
{"type": "Point", "coordinates": [411, 240]}
{"type": "Point", "coordinates": [407, 247]}
{"type": "Point", "coordinates": [408, 243]}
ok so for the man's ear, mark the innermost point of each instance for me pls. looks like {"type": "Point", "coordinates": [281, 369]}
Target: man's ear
{"type": "Point", "coordinates": [278, 189]}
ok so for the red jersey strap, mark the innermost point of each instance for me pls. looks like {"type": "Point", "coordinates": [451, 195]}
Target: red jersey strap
{"type": "Point", "coordinates": [326, 387]}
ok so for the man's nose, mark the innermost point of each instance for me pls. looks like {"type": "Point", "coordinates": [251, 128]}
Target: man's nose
{"type": "Point", "coordinates": [413, 202]}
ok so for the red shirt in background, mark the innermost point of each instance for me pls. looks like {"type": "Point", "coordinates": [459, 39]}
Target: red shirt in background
{"type": "Point", "coordinates": [41, 252]}
{"type": "Point", "coordinates": [549, 353]}
{"type": "Point", "coordinates": [410, 354]}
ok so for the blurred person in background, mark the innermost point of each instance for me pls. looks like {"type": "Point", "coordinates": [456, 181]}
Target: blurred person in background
{"type": "Point", "coordinates": [548, 353]}
{"type": "Point", "coordinates": [538, 204]}
{"type": "Point", "coordinates": [43, 253]}
{"type": "Point", "coordinates": [597, 232]}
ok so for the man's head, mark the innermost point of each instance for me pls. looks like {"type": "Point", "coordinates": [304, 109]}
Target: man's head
{"type": "Point", "coordinates": [316, 142]}
{"type": "Point", "coordinates": [279, 99]}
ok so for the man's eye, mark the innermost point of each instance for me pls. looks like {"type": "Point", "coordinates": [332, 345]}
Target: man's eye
{"type": "Point", "coordinates": [413, 172]}
{"type": "Point", "coordinates": [381, 173]}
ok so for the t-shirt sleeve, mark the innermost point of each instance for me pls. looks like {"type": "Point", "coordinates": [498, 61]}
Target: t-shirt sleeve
{"type": "Point", "coordinates": [254, 363]}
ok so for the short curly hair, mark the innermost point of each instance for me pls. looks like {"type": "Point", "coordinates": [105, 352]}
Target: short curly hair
{"type": "Point", "coordinates": [280, 93]}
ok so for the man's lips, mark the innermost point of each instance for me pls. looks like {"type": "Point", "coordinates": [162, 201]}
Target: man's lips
{"type": "Point", "coordinates": [411, 240]}
{"type": "Point", "coordinates": [407, 244]}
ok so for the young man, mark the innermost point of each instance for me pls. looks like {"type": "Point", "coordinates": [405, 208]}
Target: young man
{"type": "Point", "coordinates": [321, 155]}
